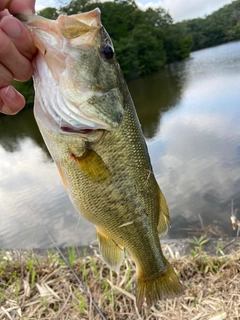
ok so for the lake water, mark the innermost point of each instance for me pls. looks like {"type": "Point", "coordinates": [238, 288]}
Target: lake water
{"type": "Point", "coordinates": [190, 115]}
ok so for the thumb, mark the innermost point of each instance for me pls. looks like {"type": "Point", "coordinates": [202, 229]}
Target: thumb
{"type": "Point", "coordinates": [18, 6]}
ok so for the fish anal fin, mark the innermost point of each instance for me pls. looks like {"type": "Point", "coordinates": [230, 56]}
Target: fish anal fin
{"type": "Point", "coordinates": [111, 252]}
{"type": "Point", "coordinates": [92, 165]}
{"type": "Point", "coordinates": [164, 220]}
{"type": "Point", "coordinates": [164, 285]}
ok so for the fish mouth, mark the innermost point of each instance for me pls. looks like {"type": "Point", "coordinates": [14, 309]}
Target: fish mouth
{"type": "Point", "coordinates": [72, 103]}
{"type": "Point", "coordinates": [73, 130]}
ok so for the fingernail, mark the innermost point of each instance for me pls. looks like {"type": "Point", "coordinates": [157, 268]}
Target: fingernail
{"type": "Point", "coordinates": [12, 29]}
{"type": "Point", "coordinates": [10, 92]}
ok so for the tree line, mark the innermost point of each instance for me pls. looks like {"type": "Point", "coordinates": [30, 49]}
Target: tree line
{"type": "Point", "coordinates": [217, 28]}
{"type": "Point", "coordinates": [146, 41]}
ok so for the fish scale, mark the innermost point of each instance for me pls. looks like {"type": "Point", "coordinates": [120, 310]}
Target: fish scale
{"type": "Point", "coordinates": [102, 156]}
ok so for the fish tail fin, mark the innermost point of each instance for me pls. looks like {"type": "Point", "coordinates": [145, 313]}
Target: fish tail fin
{"type": "Point", "coordinates": [165, 285]}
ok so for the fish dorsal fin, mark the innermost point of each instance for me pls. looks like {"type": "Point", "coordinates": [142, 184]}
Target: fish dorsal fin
{"type": "Point", "coordinates": [111, 252]}
{"type": "Point", "coordinates": [72, 28]}
{"type": "Point", "coordinates": [164, 217]}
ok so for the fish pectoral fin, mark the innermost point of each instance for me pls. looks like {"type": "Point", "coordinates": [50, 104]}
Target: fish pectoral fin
{"type": "Point", "coordinates": [111, 252]}
{"type": "Point", "coordinates": [164, 220]}
{"type": "Point", "coordinates": [92, 165]}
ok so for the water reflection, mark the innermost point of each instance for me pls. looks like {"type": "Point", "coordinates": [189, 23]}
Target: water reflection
{"type": "Point", "coordinates": [195, 153]}
{"type": "Point", "coordinates": [199, 170]}
{"type": "Point", "coordinates": [15, 128]}
{"type": "Point", "coordinates": [153, 95]}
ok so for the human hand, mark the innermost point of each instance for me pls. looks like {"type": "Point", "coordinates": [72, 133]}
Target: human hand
{"type": "Point", "coordinates": [16, 52]}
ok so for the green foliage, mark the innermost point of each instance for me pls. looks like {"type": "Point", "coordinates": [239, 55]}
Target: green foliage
{"type": "Point", "coordinates": [26, 89]}
{"type": "Point", "coordinates": [219, 249]}
{"type": "Point", "coordinates": [158, 17]}
{"type": "Point", "coordinates": [81, 304]}
{"type": "Point", "coordinates": [203, 262]}
{"type": "Point", "coordinates": [198, 245]}
{"type": "Point", "coordinates": [71, 255]}
{"type": "Point", "coordinates": [31, 268]}
{"type": "Point", "coordinates": [177, 42]}
{"type": "Point", "coordinates": [141, 53]}
{"type": "Point", "coordinates": [49, 13]}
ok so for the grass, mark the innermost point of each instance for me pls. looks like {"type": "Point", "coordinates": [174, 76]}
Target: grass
{"type": "Point", "coordinates": [34, 287]}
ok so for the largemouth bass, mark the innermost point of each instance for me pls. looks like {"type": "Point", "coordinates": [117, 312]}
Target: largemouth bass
{"type": "Point", "coordinates": [88, 121]}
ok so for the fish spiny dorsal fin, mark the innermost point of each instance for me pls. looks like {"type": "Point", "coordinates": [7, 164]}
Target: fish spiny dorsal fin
{"type": "Point", "coordinates": [72, 28]}
{"type": "Point", "coordinates": [111, 252]}
{"type": "Point", "coordinates": [164, 217]}
{"type": "Point", "coordinates": [92, 18]}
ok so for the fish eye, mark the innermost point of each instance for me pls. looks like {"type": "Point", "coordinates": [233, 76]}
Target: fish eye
{"type": "Point", "coordinates": [106, 52]}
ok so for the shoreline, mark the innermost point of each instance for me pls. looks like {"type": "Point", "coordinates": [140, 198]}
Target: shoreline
{"type": "Point", "coordinates": [37, 284]}
{"type": "Point", "coordinates": [178, 246]}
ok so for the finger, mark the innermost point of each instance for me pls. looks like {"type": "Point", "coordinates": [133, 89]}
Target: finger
{"type": "Point", "coordinates": [18, 6]}
{"type": "Point", "coordinates": [6, 76]}
{"type": "Point", "coordinates": [4, 13]}
{"type": "Point", "coordinates": [13, 60]}
{"type": "Point", "coordinates": [11, 101]}
{"type": "Point", "coordinates": [19, 35]}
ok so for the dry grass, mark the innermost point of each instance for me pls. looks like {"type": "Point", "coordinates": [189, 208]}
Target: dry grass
{"type": "Point", "coordinates": [34, 287]}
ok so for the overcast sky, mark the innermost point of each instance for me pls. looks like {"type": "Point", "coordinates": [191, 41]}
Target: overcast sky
{"type": "Point", "coordinates": [178, 9]}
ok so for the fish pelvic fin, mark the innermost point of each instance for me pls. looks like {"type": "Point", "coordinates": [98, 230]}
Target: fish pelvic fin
{"type": "Point", "coordinates": [164, 285]}
{"type": "Point", "coordinates": [164, 220]}
{"type": "Point", "coordinates": [111, 252]}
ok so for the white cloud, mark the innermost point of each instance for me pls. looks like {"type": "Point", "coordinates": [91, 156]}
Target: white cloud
{"type": "Point", "coordinates": [186, 9]}
{"type": "Point", "coordinates": [178, 9]}
{"type": "Point", "coordinates": [193, 167]}
{"type": "Point", "coordinates": [41, 4]}
{"type": "Point", "coordinates": [39, 7]}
